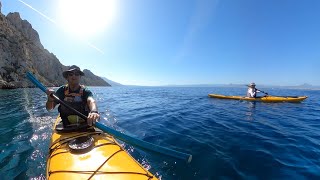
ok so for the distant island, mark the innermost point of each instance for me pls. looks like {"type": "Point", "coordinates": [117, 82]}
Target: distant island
{"type": "Point", "coordinates": [21, 51]}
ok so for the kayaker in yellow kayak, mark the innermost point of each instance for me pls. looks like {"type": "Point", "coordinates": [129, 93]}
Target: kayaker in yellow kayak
{"type": "Point", "coordinates": [252, 91]}
{"type": "Point", "coordinates": [82, 152]}
{"type": "Point", "coordinates": [75, 95]}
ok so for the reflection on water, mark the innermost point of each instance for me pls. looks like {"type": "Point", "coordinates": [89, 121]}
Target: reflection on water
{"type": "Point", "coordinates": [27, 131]}
{"type": "Point", "coordinates": [250, 110]}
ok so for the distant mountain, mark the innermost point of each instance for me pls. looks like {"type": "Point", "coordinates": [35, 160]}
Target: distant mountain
{"type": "Point", "coordinates": [305, 85]}
{"type": "Point", "coordinates": [302, 86]}
{"type": "Point", "coordinates": [207, 85]}
{"type": "Point", "coordinates": [89, 79]}
{"type": "Point", "coordinates": [112, 83]}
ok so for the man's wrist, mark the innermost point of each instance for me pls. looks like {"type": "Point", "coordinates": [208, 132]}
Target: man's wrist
{"type": "Point", "coordinates": [94, 112]}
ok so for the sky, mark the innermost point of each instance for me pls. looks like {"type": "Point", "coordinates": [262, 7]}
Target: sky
{"type": "Point", "coordinates": [181, 42]}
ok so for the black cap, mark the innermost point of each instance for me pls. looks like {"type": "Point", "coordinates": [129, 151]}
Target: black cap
{"type": "Point", "coordinates": [72, 68]}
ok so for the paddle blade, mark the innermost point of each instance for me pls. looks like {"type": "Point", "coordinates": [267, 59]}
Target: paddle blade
{"type": "Point", "coordinates": [36, 82]}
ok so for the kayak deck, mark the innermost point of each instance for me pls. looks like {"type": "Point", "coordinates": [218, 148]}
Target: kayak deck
{"type": "Point", "coordinates": [262, 99]}
{"type": "Point", "coordinates": [106, 159]}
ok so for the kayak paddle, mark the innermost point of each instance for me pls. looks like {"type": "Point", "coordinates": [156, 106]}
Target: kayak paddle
{"type": "Point", "coordinates": [133, 141]}
{"type": "Point", "coordinates": [260, 91]}
{"type": "Point", "coordinates": [263, 92]}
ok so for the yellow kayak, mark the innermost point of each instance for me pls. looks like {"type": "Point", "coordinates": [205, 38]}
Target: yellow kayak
{"type": "Point", "coordinates": [90, 154]}
{"type": "Point", "coordinates": [263, 98]}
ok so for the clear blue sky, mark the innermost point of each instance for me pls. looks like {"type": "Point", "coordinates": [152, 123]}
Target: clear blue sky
{"type": "Point", "coordinates": [165, 42]}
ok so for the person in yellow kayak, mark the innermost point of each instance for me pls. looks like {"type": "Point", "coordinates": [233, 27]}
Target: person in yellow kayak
{"type": "Point", "coordinates": [75, 95]}
{"type": "Point", "coordinates": [252, 91]}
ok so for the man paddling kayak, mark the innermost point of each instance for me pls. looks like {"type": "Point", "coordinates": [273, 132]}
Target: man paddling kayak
{"type": "Point", "coordinates": [75, 95]}
{"type": "Point", "coordinates": [252, 91]}
{"type": "Point", "coordinates": [82, 152]}
{"type": "Point", "coordinates": [111, 132]}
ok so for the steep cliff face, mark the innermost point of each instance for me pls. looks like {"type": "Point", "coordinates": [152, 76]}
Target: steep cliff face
{"type": "Point", "coordinates": [22, 51]}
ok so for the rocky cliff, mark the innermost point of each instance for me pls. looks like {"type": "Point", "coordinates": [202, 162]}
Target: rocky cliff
{"type": "Point", "coordinates": [22, 51]}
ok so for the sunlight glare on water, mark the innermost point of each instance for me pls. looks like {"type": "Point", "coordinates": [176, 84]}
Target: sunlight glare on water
{"type": "Point", "coordinates": [228, 139]}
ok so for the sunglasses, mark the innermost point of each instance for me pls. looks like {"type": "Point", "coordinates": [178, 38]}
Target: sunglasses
{"type": "Point", "coordinates": [76, 74]}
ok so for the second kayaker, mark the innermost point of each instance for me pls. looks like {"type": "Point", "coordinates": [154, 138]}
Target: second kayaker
{"type": "Point", "coordinates": [252, 91]}
{"type": "Point", "coordinates": [75, 95]}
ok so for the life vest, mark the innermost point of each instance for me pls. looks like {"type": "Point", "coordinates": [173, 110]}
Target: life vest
{"type": "Point", "coordinates": [76, 101]}
{"type": "Point", "coordinates": [252, 92]}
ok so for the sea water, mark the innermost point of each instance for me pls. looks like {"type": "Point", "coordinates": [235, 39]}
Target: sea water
{"type": "Point", "coordinates": [229, 139]}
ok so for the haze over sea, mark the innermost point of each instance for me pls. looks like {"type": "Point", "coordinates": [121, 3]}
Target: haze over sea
{"type": "Point", "coordinates": [228, 139]}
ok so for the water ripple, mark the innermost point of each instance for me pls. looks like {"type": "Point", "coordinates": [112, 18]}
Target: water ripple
{"type": "Point", "coordinates": [228, 139]}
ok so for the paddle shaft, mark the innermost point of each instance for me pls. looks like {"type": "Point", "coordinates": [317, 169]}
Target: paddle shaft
{"type": "Point", "coordinates": [259, 90]}
{"type": "Point", "coordinates": [262, 92]}
{"type": "Point", "coordinates": [137, 142]}
{"type": "Point", "coordinates": [128, 139]}
{"type": "Point", "coordinates": [278, 95]}
{"type": "Point", "coordinates": [69, 107]}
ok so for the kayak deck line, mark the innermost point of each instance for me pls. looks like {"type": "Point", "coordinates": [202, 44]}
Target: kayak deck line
{"type": "Point", "coordinates": [272, 99]}
{"type": "Point", "coordinates": [62, 141]}
{"type": "Point", "coordinates": [107, 159]}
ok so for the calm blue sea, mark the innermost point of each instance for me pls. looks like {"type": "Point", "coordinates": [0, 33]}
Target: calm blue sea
{"type": "Point", "coordinates": [228, 139]}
